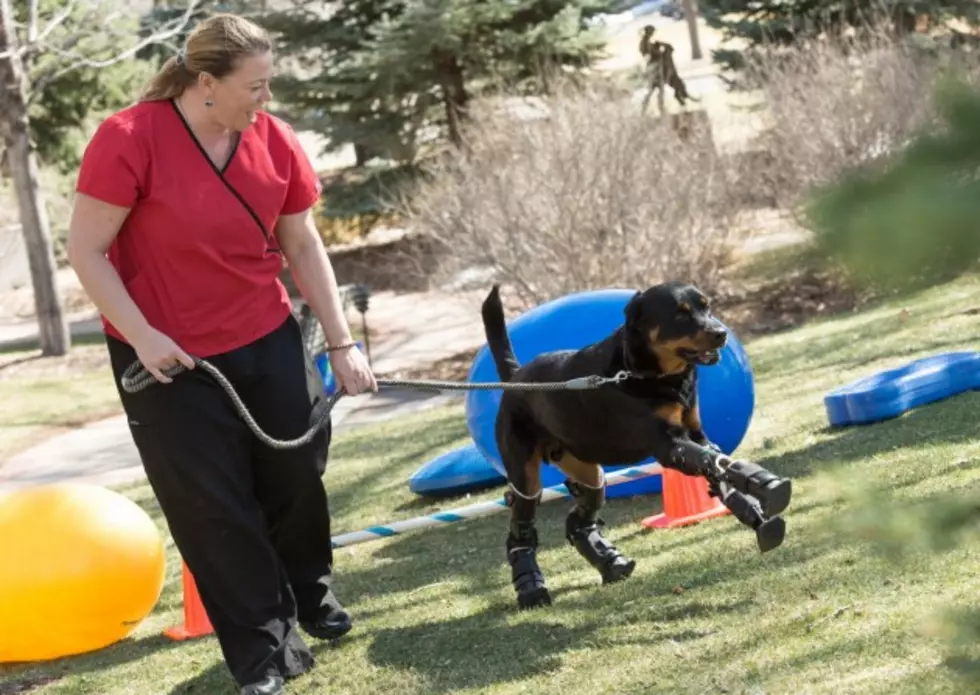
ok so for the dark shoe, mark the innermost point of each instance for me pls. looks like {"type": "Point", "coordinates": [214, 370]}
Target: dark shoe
{"type": "Point", "coordinates": [333, 622]}
{"type": "Point", "coordinates": [270, 685]}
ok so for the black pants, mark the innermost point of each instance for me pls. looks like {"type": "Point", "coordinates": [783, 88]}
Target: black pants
{"type": "Point", "coordinates": [251, 522]}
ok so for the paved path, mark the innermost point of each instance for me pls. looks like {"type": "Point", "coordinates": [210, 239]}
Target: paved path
{"type": "Point", "coordinates": [414, 329]}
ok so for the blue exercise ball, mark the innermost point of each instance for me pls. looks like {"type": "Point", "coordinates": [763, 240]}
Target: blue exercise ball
{"type": "Point", "coordinates": [726, 390]}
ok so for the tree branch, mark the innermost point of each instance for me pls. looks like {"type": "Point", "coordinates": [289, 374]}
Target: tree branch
{"type": "Point", "coordinates": [31, 21]}
{"type": "Point", "coordinates": [55, 22]}
{"type": "Point", "coordinates": [33, 38]}
{"type": "Point", "coordinates": [161, 36]}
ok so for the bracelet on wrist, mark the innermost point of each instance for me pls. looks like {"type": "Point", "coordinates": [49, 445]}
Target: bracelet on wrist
{"type": "Point", "coordinates": [341, 346]}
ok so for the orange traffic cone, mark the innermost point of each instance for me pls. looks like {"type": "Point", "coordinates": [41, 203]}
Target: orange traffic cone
{"type": "Point", "coordinates": [196, 621]}
{"type": "Point", "coordinates": [686, 501]}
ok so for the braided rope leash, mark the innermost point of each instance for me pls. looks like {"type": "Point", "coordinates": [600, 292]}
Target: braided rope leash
{"type": "Point", "coordinates": [136, 378]}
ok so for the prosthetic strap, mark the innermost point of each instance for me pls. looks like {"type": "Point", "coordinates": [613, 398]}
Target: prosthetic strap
{"type": "Point", "coordinates": [769, 492]}
{"type": "Point", "coordinates": [751, 478]}
{"type": "Point", "coordinates": [523, 534]}
{"type": "Point", "coordinates": [691, 458]}
{"type": "Point", "coordinates": [582, 529]}
{"type": "Point", "coordinates": [522, 544]}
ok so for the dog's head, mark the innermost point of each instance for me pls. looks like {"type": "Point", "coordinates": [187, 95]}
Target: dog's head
{"type": "Point", "coordinates": [671, 324]}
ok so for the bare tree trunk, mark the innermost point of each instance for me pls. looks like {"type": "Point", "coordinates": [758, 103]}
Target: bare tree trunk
{"type": "Point", "coordinates": [53, 328]}
{"type": "Point", "coordinates": [691, 14]}
{"type": "Point", "coordinates": [454, 94]}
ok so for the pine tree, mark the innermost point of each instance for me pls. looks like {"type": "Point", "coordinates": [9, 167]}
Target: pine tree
{"type": "Point", "coordinates": [380, 73]}
{"type": "Point", "coordinates": [780, 23]}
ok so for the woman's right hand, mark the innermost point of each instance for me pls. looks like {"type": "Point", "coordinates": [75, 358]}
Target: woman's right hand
{"type": "Point", "coordinates": [157, 352]}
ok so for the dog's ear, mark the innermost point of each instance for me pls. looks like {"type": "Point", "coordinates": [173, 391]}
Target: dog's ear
{"type": "Point", "coordinates": [633, 310]}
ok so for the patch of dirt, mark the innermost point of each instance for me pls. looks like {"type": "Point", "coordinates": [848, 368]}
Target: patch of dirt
{"type": "Point", "coordinates": [785, 302]}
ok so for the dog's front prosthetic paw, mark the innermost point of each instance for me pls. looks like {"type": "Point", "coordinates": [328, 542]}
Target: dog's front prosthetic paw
{"type": "Point", "coordinates": [769, 532]}
{"type": "Point", "coordinates": [772, 492]}
{"type": "Point", "coordinates": [527, 578]}
{"type": "Point", "coordinates": [587, 539]}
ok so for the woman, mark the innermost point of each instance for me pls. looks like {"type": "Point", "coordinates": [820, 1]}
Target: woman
{"type": "Point", "coordinates": [195, 194]}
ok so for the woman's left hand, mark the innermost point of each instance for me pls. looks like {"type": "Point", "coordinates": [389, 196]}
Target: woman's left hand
{"type": "Point", "coordinates": [352, 371]}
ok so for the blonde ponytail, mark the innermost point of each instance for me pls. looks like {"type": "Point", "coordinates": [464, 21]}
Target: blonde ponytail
{"type": "Point", "coordinates": [169, 82]}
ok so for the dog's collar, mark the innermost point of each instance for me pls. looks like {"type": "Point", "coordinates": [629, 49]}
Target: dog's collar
{"type": "Point", "coordinates": [630, 369]}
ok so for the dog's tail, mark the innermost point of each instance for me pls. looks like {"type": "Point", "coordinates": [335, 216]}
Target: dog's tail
{"type": "Point", "coordinates": [495, 326]}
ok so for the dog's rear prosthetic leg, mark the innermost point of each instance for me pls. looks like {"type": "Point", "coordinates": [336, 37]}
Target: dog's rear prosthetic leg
{"type": "Point", "coordinates": [582, 529]}
{"type": "Point", "coordinates": [522, 547]}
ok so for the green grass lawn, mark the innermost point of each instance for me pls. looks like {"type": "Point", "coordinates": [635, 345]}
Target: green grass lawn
{"type": "Point", "coordinates": [45, 396]}
{"type": "Point", "coordinates": [828, 612]}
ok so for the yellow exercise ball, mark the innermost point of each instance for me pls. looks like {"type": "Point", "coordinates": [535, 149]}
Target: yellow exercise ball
{"type": "Point", "coordinates": [80, 567]}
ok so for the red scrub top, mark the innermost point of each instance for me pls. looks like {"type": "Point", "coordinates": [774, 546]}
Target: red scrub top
{"type": "Point", "coordinates": [198, 252]}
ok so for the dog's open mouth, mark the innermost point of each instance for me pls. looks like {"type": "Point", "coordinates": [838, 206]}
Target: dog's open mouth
{"type": "Point", "coordinates": [706, 357]}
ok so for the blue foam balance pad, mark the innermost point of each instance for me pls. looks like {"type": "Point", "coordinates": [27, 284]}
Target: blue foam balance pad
{"type": "Point", "coordinates": [458, 471]}
{"type": "Point", "coordinates": [890, 393]}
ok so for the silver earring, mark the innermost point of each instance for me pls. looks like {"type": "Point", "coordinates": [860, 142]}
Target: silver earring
{"type": "Point", "coordinates": [208, 103]}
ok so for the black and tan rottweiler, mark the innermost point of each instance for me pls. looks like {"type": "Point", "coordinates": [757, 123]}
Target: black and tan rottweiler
{"type": "Point", "coordinates": [667, 331]}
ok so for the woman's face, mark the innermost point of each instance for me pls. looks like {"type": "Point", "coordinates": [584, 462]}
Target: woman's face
{"type": "Point", "coordinates": [240, 94]}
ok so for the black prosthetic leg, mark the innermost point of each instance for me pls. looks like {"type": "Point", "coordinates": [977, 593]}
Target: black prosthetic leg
{"type": "Point", "coordinates": [769, 531]}
{"type": "Point", "coordinates": [583, 532]}
{"type": "Point", "coordinates": [754, 495]}
{"type": "Point", "coordinates": [773, 492]}
{"type": "Point", "coordinates": [522, 547]}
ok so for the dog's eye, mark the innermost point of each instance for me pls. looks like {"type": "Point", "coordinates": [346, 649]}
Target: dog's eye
{"type": "Point", "coordinates": [684, 309]}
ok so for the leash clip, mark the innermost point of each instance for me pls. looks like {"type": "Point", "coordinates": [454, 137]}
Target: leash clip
{"type": "Point", "coordinates": [594, 381]}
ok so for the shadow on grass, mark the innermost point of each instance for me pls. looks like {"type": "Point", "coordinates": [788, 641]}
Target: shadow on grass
{"type": "Point", "coordinates": [422, 503]}
{"type": "Point", "coordinates": [22, 678]}
{"type": "Point", "coordinates": [952, 421]}
{"type": "Point", "coordinates": [494, 648]}
{"type": "Point", "coordinates": [214, 680]}
{"type": "Point", "coordinates": [411, 448]}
